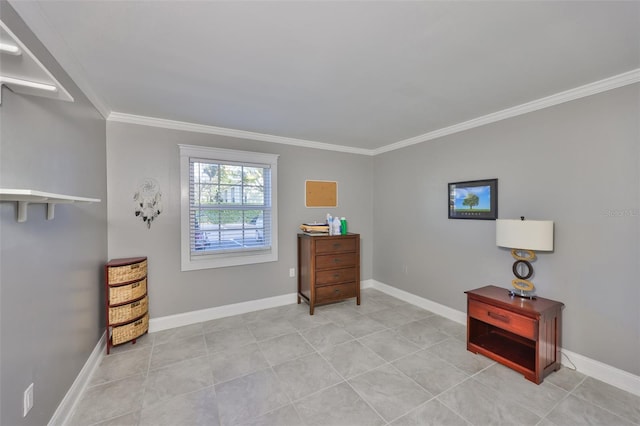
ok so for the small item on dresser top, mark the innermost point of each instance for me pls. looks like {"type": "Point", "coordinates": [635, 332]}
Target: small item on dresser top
{"type": "Point", "coordinates": [343, 226]}
{"type": "Point", "coordinates": [315, 228]}
{"type": "Point", "coordinates": [335, 226]}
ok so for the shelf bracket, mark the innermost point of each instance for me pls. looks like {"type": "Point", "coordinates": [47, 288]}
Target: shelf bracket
{"type": "Point", "coordinates": [50, 210]}
{"type": "Point", "coordinates": [22, 211]}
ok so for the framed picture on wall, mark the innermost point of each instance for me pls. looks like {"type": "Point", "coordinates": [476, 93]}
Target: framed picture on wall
{"type": "Point", "coordinates": [474, 199]}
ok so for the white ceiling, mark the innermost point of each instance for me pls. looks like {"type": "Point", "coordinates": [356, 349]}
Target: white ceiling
{"type": "Point", "coordinates": [363, 75]}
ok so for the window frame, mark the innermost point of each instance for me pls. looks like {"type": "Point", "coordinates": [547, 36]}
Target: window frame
{"type": "Point", "coordinates": [224, 259]}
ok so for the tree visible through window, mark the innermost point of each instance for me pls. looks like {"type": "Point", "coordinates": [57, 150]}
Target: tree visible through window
{"type": "Point", "coordinates": [230, 206]}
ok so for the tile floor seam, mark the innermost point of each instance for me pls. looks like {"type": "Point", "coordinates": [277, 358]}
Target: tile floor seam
{"type": "Point", "coordinates": [387, 363]}
{"type": "Point", "coordinates": [437, 397]}
{"type": "Point", "coordinates": [291, 401]}
{"type": "Point", "coordinates": [566, 394]}
{"type": "Point", "coordinates": [294, 358]}
{"type": "Point", "coordinates": [413, 409]}
{"type": "Point", "coordinates": [207, 355]}
{"type": "Point", "coordinates": [366, 402]}
{"type": "Point", "coordinates": [602, 407]}
{"type": "Point", "coordinates": [556, 405]}
{"type": "Point", "coordinates": [414, 381]}
{"type": "Point", "coordinates": [114, 417]}
{"type": "Point", "coordinates": [345, 380]}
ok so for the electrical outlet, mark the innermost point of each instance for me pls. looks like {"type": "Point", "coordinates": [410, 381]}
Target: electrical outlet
{"type": "Point", "coordinates": [27, 400]}
{"type": "Point", "coordinates": [405, 270]}
{"type": "Point", "coordinates": [292, 272]}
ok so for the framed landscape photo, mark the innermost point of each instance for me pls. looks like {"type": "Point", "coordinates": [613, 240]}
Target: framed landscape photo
{"type": "Point", "coordinates": [475, 199]}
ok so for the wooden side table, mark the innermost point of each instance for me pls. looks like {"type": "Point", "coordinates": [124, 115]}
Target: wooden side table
{"type": "Point", "coordinates": [523, 334]}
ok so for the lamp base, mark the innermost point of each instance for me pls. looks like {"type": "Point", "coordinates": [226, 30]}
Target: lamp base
{"type": "Point", "coordinates": [522, 293]}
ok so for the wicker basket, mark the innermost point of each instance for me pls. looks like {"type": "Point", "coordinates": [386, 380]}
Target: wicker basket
{"type": "Point", "coordinates": [126, 273]}
{"type": "Point", "coordinates": [125, 293]}
{"type": "Point", "coordinates": [125, 313]}
{"type": "Point", "coordinates": [130, 331]}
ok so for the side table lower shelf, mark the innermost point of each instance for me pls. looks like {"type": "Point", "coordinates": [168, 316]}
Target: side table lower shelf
{"type": "Point", "coordinates": [493, 342]}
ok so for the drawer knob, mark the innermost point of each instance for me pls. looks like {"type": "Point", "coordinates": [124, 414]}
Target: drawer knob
{"type": "Point", "coordinates": [336, 276]}
{"type": "Point", "coordinates": [499, 317]}
{"type": "Point", "coordinates": [336, 260]}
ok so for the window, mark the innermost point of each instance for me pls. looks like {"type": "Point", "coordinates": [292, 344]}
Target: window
{"type": "Point", "coordinates": [228, 207]}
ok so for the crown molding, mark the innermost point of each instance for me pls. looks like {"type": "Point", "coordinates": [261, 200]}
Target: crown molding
{"type": "Point", "coordinates": [234, 133]}
{"type": "Point", "coordinates": [596, 87]}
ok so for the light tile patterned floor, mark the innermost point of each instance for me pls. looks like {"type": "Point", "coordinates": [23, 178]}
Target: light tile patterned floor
{"type": "Point", "coordinates": [383, 363]}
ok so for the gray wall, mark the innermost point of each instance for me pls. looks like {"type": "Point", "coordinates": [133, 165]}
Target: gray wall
{"type": "Point", "coordinates": [50, 271]}
{"type": "Point", "coordinates": [576, 164]}
{"type": "Point", "coordinates": [137, 152]}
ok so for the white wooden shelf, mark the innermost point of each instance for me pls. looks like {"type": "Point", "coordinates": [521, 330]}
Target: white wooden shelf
{"type": "Point", "coordinates": [23, 73]}
{"type": "Point", "coordinates": [24, 197]}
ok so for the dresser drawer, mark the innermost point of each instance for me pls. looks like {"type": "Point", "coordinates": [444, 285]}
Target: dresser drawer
{"type": "Point", "coordinates": [504, 319]}
{"type": "Point", "coordinates": [340, 260]}
{"type": "Point", "coordinates": [334, 276]}
{"type": "Point", "coordinates": [336, 245]}
{"type": "Point", "coordinates": [335, 292]}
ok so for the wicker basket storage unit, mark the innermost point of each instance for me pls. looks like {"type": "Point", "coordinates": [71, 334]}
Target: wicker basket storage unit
{"type": "Point", "coordinates": [127, 302]}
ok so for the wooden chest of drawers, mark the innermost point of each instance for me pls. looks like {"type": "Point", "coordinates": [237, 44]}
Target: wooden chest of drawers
{"type": "Point", "coordinates": [522, 334]}
{"type": "Point", "coordinates": [328, 268]}
{"type": "Point", "coordinates": [126, 300]}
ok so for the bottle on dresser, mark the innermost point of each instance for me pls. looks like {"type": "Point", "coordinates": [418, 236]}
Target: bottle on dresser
{"type": "Point", "coordinates": [335, 226]}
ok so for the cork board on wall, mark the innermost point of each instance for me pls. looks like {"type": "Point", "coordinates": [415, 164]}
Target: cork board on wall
{"type": "Point", "coordinates": [321, 193]}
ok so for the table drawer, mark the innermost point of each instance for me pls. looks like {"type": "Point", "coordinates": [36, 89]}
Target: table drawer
{"type": "Point", "coordinates": [335, 292]}
{"type": "Point", "coordinates": [504, 319]}
{"type": "Point", "coordinates": [336, 245]}
{"type": "Point", "coordinates": [335, 276]}
{"type": "Point", "coordinates": [335, 260]}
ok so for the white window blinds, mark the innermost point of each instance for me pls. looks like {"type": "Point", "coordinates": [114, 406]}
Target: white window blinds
{"type": "Point", "coordinates": [230, 215]}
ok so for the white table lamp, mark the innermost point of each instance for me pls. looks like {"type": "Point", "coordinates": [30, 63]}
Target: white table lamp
{"type": "Point", "coordinates": [524, 237]}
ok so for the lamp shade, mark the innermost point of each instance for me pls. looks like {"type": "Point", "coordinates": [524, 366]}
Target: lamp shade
{"type": "Point", "coordinates": [525, 234]}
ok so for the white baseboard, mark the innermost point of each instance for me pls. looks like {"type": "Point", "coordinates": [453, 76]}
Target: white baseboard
{"type": "Point", "coordinates": [193, 317]}
{"type": "Point", "coordinates": [603, 372]}
{"type": "Point", "coordinates": [436, 308]}
{"type": "Point", "coordinates": [71, 399]}
{"type": "Point", "coordinates": [590, 367]}
{"type": "Point", "coordinates": [367, 284]}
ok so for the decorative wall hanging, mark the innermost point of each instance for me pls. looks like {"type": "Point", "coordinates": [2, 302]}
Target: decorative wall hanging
{"type": "Point", "coordinates": [476, 199]}
{"type": "Point", "coordinates": [148, 201]}
{"type": "Point", "coordinates": [321, 193]}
